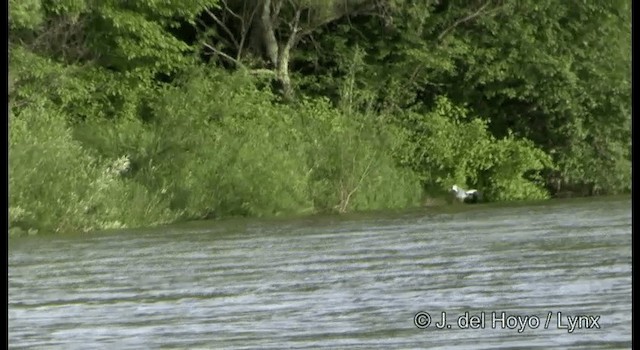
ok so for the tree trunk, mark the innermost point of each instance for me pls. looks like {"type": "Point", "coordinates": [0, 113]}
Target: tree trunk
{"type": "Point", "coordinates": [283, 72]}
{"type": "Point", "coordinates": [268, 33]}
{"type": "Point", "coordinates": [277, 49]}
{"type": "Point", "coordinates": [278, 53]}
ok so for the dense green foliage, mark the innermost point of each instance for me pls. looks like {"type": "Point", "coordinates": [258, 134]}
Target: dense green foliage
{"type": "Point", "coordinates": [126, 114]}
{"type": "Point", "coordinates": [445, 148]}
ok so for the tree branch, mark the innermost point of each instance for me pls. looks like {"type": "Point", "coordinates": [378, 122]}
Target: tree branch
{"type": "Point", "coordinates": [462, 20]}
{"type": "Point", "coordinates": [335, 15]}
{"type": "Point", "coordinates": [294, 28]}
{"type": "Point", "coordinates": [230, 11]}
{"type": "Point", "coordinates": [276, 10]}
{"type": "Point", "coordinates": [345, 203]}
{"type": "Point", "coordinates": [284, 50]}
{"type": "Point", "coordinates": [224, 27]}
{"type": "Point", "coordinates": [245, 28]}
{"type": "Point", "coordinates": [218, 52]}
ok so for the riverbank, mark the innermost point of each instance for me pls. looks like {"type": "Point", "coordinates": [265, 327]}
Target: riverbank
{"type": "Point", "coordinates": [429, 206]}
{"type": "Point", "coordinates": [138, 116]}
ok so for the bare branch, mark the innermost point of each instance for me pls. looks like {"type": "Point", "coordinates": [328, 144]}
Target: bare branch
{"type": "Point", "coordinates": [318, 49]}
{"type": "Point", "coordinates": [413, 77]}
{"type": "Point", "coordinates": [223, 26]}
{"type": "Point", "coordinates": [245, 17]}
{"type": "Point", "coordinates": [463, 20]}
{"type": "Point", "coordinates": [283, 55]}
{"type": "Point", "coordinates": [276, 10]}
{"type": "Point", "coordinates": [218, 52]}
{"type": "Point", "coordinates": [294, 24]}
{"type": "Point", "coordinates": [296, 21]}
{"type": "Point", "coordinates": [245, 29]}
{"type": "Point", "coordinates": [345, 201]}
{"type": "Point", "coordinates": [335, 15]}
{"type": "Point", "coordinates": [230, 11]}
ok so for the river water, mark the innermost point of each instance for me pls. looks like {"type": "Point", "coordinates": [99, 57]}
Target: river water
{"type": "Point", "coordinates": [332, 282]}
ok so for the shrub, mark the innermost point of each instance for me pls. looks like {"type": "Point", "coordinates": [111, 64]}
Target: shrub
{"type": "Point", "coordinates": [352, 167]}
{"type": "Point", "coordinates": [445, 147]}
{"type": "Point", "coordinates": [56, 185]}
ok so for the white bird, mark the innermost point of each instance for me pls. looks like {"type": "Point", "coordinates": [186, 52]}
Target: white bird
{"type": "Point", "coordinates": [466, 196]}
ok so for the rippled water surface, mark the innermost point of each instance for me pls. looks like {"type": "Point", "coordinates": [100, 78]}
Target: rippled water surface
{"type": "Point", "coordinates": [335, 282]}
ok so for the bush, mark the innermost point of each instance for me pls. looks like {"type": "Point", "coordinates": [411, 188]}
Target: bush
{"type": "Point", "coordinates": [445, 147]}
{"type": "Point", "coordinates": [56, 185]}
{"type": "Point", "coordinates": [352, 167]}
{"type": "Point", "coordinates": [223, 148]}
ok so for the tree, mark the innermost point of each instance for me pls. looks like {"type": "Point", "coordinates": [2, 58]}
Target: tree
{"type": "Point", "coordinates": [110, 53]}
{"type": "Point", "coordinates": [271, 29]}
{"type": "Point", "coordinates": [556, 73]}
